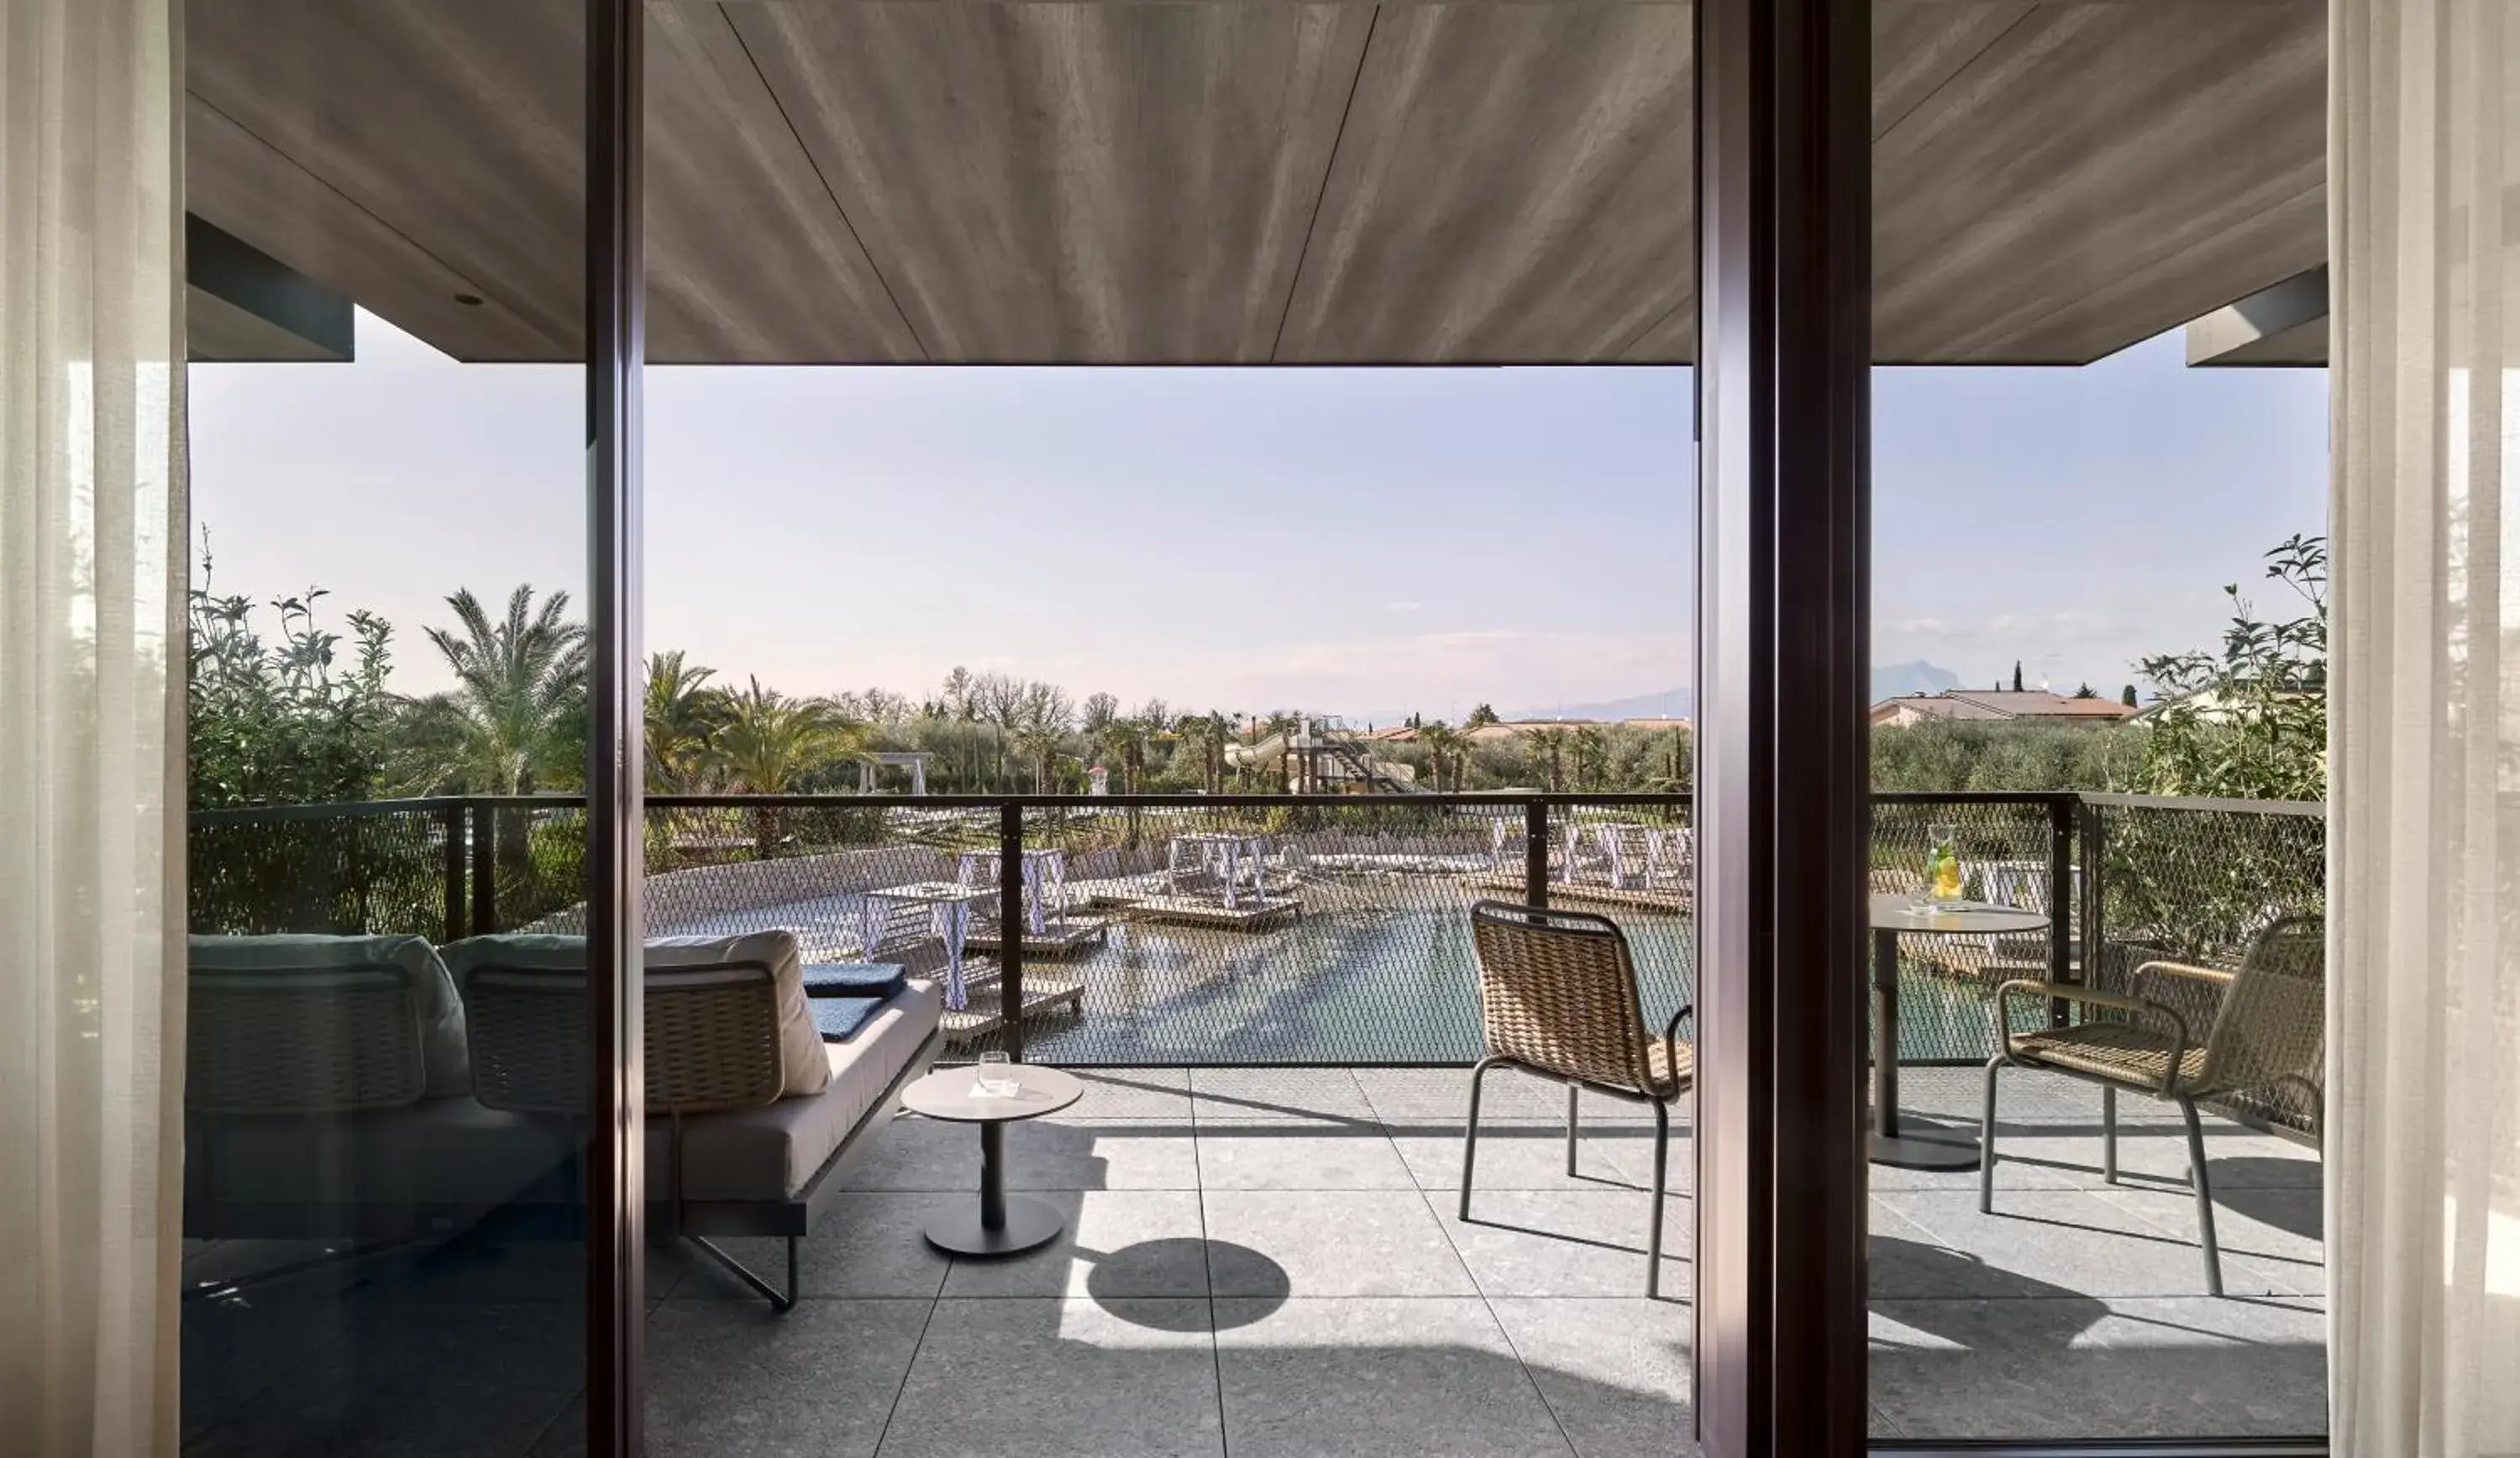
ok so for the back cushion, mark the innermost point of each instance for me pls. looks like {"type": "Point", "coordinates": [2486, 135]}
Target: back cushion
{"type": "Point", "coordinates": [441, 1012]}
{"type": "Point", "coordinates": [806, 1068]}
{"type": "Point", "coordinates": [803, 1067]}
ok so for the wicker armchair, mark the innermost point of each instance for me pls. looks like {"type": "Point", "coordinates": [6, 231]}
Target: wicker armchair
{"type": "Point", "coordinates": [2266, 1031]}
{"type": "Point", "coordinates": [1557, 997]}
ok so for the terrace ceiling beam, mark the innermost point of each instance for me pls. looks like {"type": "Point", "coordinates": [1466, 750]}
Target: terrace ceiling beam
{"type": "Point", "coordinates": [2286, 325]}
{"type": "Point", "coordinates": [241, 304]}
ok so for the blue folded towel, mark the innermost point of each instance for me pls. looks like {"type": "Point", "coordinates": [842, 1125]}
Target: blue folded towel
{"type": "Point", "coordinates": [854, 979]}
{"type": "Point", "coordinates": [838, 1019]}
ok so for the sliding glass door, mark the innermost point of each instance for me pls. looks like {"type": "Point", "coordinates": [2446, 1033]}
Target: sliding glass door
{"type": "Point", "coordinates": [387, 1109]}
{"type": "Point", "coordinates": [2096, 854]}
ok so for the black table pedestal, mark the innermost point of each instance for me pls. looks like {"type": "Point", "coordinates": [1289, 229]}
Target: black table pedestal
{"type": "Point", "coordinates": [1917, 1146]}
{"type": "Point", "coordinates": [1004, 1224]}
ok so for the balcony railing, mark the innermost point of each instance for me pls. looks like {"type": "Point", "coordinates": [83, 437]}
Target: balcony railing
{"type": "Point", "coordinates": [1162, 930]}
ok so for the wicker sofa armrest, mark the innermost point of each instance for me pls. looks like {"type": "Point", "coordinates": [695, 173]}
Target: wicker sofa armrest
{"type": "Point", "coordinates": [2094, 997]}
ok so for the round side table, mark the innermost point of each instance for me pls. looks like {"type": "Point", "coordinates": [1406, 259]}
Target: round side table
{"type": "Point", "coordinates": [1002, 1225]}
{"type": "Point", "coordinates": [1920, 1145]}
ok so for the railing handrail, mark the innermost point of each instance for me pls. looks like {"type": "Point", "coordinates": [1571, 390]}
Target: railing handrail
{"type": "Point", "coordinates": [331, 809]}
{"type": "Point", "coordinates": [2210, 804]}
{"type": "Point", "coordinates": [1446, 800]}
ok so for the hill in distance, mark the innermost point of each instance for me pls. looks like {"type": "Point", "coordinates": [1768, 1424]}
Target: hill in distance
{"type": "Point", "coordinates": [1897, 680]}
{"type": "Point", "coordinates": [1889, 680]}
{"type": "Point", "coordinates": [1678, 703]}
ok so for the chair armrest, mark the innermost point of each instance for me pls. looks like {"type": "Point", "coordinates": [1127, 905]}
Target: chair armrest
{"type": "Point", "coordinates": [1671, 1030]}
{"type": "Point", "coordinates": [2187, 969]}
{"type": "Point", "coordinates": [2072, 993]}
{"type": "Point", "coordinates": [2094, 997]}
{"type": "Point", "coordinates": [2213, 976]}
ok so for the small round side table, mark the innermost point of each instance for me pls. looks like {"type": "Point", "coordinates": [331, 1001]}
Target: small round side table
{"type": "Point", "coordinates": [1004, 1224]}
{"type": "Point", "coordinates": [1929, 1146]}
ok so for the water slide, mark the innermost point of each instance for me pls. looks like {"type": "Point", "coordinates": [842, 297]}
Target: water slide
{"type": "Point", "coordinates": [1326, 736]}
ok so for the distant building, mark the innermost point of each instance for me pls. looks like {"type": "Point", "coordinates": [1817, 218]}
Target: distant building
{"type": "Point", "coordinates": [2036, 705]}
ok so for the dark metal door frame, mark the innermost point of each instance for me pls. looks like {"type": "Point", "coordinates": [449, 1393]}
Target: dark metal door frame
{"type": "Point", "coordinates": [616, 780]}
{"type": "Point", "coordinates": [1784, 353]}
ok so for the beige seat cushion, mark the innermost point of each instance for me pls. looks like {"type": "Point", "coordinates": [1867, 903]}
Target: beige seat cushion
{"type": "Point", "coordinates": [1671, 1061]}
{"type": "Point", "coordinates": [314, 957]}
{"type": "Point", "coordinates": [770, 1153]}
{"type": "Point", "coordinates": [803, 1070]}
{"type": "Point", "coordinates": [436, 1154]}
{"type": "Point", "coordinates": [2118, 1052]}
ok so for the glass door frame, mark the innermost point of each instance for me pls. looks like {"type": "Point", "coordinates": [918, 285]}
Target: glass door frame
{"type": "Point", "coordinates": [1783, 409]}
{"type": "Point", "coordinates": [615, 779]}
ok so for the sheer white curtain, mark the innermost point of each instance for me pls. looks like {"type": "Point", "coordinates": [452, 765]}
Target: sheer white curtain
{"type": "Point", "coordinates": [91, 770]}
{"type": "Point", "coordinates": [2424, 878]}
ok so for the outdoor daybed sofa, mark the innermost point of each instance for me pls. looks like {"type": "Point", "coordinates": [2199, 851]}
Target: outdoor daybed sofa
{"type": "Point", "coordinates": [379, 1088]}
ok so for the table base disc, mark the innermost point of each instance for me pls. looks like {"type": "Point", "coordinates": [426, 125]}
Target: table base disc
{"type": "Point", "coordinates": [1926, 1149]}
{"type": "Point", "coordinates": [1029, 1223]}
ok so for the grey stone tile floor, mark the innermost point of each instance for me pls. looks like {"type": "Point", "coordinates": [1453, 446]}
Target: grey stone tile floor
{"type": "Point", "coordinates": [1270, 1264]}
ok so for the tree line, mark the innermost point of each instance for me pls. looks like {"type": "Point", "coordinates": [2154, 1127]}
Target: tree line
{"type": "Point", "coordinates": [306, 716]}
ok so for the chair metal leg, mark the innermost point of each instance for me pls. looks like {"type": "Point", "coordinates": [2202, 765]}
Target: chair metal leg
{"type": "Point", "coordinates": [2204, 1198]}
{"type": "Point", "coordinates": [1470, 1131]}
{"type": "Point", "coordinates": [1653, 1236]}
{"type": "Point", "coordinates": [780, 1301]}
{"type": "Point", "coordinates": [1986, 1141]}
{"type": "Point", "coordinates": [1570, 1130]}
{"type": "Point", "coordinates": [2108, 1134]}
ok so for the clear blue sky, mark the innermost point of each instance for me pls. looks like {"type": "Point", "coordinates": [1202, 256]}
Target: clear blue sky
{"type": "Point", "coordinates": [1355, 540]}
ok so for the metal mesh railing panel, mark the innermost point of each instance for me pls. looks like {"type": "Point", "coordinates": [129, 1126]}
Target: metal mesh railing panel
{"type": "Point", "coordinates": [360, 869]}
{"type": "Point", "coordinates": [1347, 937]}
{"type": "Point", "coordinates": [1259, 935]}
{"type": "Point", "coordinates": [1947, 982]}
{"type": "Point", "coordinates": [727, 868]}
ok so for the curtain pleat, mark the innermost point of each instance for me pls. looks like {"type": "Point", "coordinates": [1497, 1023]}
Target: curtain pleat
{"type": "Point", "coordinates": [91, 767]}
{"type": "Point", "coordinates": [2423, 1129]}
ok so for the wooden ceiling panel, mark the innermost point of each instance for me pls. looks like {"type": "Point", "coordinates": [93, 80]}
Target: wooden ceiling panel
{"type": "Point", "coordinates": [1919, 45]}
{"type": "Point", "coordinates": [1513, 185]}
{"type": "Point", "coordinates": [2097, 174]}
{"type": "Point", "coordinates": [726, 174]}
{"type": "Point", "coordinates": [1086, 183]}
{"type": "Point", "coordinates": [457, 124]}
{"type": "Point", "coordinates": [263, 195]}
{"type": "Point", "coordinates": [859, 181]}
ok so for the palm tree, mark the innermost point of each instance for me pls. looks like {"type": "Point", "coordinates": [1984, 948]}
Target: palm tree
{"type": "Point", "coordinates": [519, 684]}
{"type": "Point", "coordinates": [1041, 722]}
{"type": "Point", "coordinates": [1592, 757]}
{"type": "Point", "coordinates": [514, 722]}
{"type": "Point", "coordinates": [1126, 740]}
{"type": "Point", "coordinates": [1445, 747]}
{"type": "Point", "coordinates": [683, 713]}
{"type": "Point", "coordinates": [768, 740]}
{"type": "Point", "coordinates": [1208, 731]}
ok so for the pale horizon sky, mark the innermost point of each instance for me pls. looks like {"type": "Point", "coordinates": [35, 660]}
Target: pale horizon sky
{"type": "Point", "coordinates": [1359, 542]}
